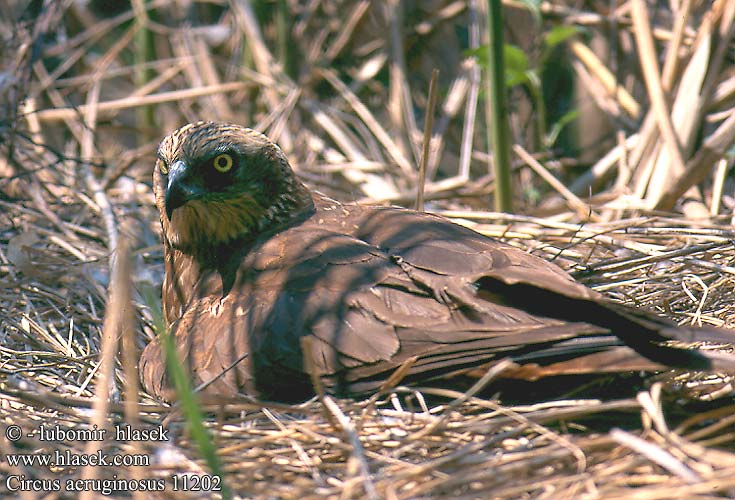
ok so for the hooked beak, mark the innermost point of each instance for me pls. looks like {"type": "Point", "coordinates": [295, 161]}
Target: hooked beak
{"type": "Point", "coordinates": [178, 190]}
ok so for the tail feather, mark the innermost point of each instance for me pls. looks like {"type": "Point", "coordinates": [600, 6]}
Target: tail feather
{"type": "Point", "coordinates": [646, 333]}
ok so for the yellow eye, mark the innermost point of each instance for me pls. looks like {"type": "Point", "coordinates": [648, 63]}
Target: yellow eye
{"type": "Point", "coordinates": [163, 167]}
{"type": "Point", "coordinates": [222, 162]}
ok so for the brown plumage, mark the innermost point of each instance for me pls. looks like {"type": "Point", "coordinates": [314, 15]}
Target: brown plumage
{"type": "Point", "coordinates": [255, 261]}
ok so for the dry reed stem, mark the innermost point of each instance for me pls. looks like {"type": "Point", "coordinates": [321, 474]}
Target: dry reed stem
{"type": "Point", "coordinates": [106, 389]}
{"type": "Point", "coordinates": [656, 93]}
{"type": "Point", "coordinates": [581, 208]}
{"type": "Point", "coordinates": [137, 101]}
{"type": "Point", "coordinates": [426, 143]}
{"type": "Point", "coordinates": [375, 127]}
{"type": "Point", "coordinates": [608, 80]}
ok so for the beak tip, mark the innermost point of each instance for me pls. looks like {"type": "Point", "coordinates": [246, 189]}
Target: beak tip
{"type": "Point", "coordinates": [177, 191]}
{"type": "Point", "coordinates": [170, 205]}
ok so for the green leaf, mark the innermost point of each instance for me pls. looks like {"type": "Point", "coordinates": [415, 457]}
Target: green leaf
{"type": "Point", "coordinates": [559, 34]}
{"type": "Point", "coordinates": [557, 128]}
{"type": "Point", "coordinates": [182, 383]}
{"type": "Point", "coordinates": [532, 194]}
{"type": "Point", "coordinates": [480, 53]}
{"type": "Point", "coordinates": [516, 65]}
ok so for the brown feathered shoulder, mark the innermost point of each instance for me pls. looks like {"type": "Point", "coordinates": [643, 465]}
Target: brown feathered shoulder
{"type": "Point", "coordinates": [248, 276]}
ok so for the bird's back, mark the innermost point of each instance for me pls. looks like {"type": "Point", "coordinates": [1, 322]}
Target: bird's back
{"type": "Point", "coordinates": [373, 287]}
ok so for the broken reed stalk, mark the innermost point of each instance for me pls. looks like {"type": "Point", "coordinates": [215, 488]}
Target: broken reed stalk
{"type": "Point", "coordinates": [118, 303]}
{"type": "Point", "coordinates": [426, 147]}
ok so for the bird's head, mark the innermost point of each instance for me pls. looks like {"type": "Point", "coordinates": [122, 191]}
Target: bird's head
{"type": "Point", "coordinates": [215, 183]}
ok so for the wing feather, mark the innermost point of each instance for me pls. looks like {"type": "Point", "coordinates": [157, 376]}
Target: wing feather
{"type": "Point", "coordinates": [374, 287]}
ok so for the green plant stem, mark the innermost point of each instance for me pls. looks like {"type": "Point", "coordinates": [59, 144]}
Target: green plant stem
{"type": "Point", "coordinates": [534, 87]}
{"type": "Point", "coordinates": [191, 409]}
{"type": "Point", "coordinates": [186, 397]}
{"type": "Point", "coordinates": [497, 114]}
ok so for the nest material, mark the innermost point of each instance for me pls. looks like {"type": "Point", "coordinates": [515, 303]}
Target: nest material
{"type": "Point", "coordinates": [70, 192]}
{"type": "Point", "coordinates": [420, 442]}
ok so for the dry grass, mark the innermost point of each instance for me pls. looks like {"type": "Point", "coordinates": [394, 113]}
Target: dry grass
{"type": "Point", "coordinates": [344, 94]}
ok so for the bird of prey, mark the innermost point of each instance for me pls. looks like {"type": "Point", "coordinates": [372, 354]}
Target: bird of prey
{"type": "Point", "coordinates": [255, 262]}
